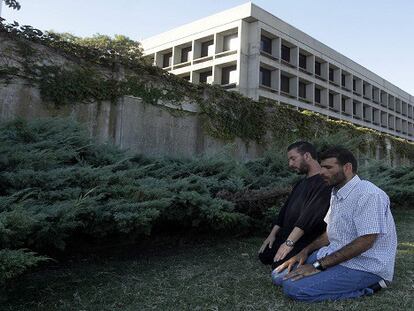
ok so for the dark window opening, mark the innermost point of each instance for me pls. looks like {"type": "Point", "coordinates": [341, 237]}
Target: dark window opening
{"type": "Point", "coordinates": [354, 84]}
{"type": "Point", "coordinates": [167, 60]}
{"type": "Point", "coordinates": [302, 90]}
{"type": "Point", "coordinates": [343, 80]}
{"type": "Point", "coordinates": [205, 47]}
{"type": "Point", "coordinates": [204, 76]}
{"type": "Point", "coordinates": [302, 61]}
{"type": "Point", "coordinates": [284, 84]}
{"type": "Point", "coordinates": [265, 77]}
{"type": "Point", "coordinates": [317, 95]}
{"type": "Point", "coordinates": [285, 53]}
{"type": "Point", "coordinates": [343, 105]}
{"type": "Point", "coordinates": [331, 100]}
{"type": "Point", "coordinates": [225, 74]}
{"type": "Point", "coordinates": [354, 108]}
{"type": "Point", "coordinates": [318, 68]}
{"type": "Point", "coordinates": [331, 74]}
{"type": "Point", "coordinates": [185, 54]}
{"type": "Point", "coordinates": [266, 44]}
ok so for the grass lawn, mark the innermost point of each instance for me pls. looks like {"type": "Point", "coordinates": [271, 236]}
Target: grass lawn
{"type": "Point", "coordinates": [211, 275]}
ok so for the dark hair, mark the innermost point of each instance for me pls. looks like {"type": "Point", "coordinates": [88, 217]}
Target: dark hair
{"type": "Point", "coordinates": [303, 147]}
{"type": "Point", "coordinates": [342, 155]}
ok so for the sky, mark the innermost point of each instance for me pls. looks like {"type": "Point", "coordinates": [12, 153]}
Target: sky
{"type": "Point", "coordinates": [377, 34]}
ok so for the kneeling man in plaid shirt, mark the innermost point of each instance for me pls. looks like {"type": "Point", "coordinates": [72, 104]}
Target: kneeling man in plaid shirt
{"type": "Point", "coordinates": [356, 254]}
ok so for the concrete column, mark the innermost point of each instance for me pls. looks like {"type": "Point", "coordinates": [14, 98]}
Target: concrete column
{"type": "Point", "coordinates": [243, 57]}
{"type": "Point", "coordinates": [293, 86]}
{"type": "Point", "coordinates": [253, 68]}
{"type": "Point", "coordinates": [310, 63]}
{"type": "Point", "coordinates": [384, 119]}
{"type": "Point", "coordinates": [294, 56]}
{"type": "Point", "coordinates": [274, 79]}
{"type": "Point", "coordinates": [276, 46]}
{"type": "Point", "coordinates": [310, 92]}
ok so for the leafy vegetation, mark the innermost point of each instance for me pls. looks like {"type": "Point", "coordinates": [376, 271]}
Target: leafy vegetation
{"type": "Point", "coordinates": [59, 190]}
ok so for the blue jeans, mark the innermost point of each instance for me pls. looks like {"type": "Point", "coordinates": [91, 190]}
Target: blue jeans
{"type": "Point", "coordinates": [334, 283]}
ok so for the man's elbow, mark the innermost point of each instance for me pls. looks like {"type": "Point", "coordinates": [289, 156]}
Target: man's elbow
{"type": "Point", "coordinates": [369, 240]}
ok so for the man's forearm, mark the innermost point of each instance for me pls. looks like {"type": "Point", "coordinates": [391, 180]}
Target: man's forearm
{"type": "Point", "coordinates": [351, 250]}
{"type": "Point", "coordinates": [321, 241]}
{"type": "Point", "coordinates": [296, 234]}
{"type": "Point", "coordinates": [275, 230]}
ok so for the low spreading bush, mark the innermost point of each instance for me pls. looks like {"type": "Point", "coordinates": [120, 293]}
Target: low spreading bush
{"type": "Point", "coordinates": [58, 189]}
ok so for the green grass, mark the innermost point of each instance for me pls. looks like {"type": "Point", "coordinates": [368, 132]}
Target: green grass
{"type": "Point", "coordinates": [209, 275]}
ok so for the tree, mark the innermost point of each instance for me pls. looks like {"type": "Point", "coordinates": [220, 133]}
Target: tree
{"type": "Point", "coordinates": [118, 45]}
{"type": "Point", "coordinates": [15, 5]}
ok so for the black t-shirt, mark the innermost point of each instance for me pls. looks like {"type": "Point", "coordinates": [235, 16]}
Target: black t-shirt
{"type": "Point", "coordinates": [305, 208]}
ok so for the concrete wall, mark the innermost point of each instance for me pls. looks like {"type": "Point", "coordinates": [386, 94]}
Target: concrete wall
{"type": "Point", "coordinates": [130, 123]}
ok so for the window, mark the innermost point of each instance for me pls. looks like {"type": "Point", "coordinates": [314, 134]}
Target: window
{"type": "Point", "coordinates": [285, 53]}
{"type": "Point", "coordinates": [284, 84]}
{"type": "Point", "coordinates": [206, 77]}
{"type": "Point", "coordinates": [363, 89]}
{"type": "Point", "coordinates": [331, 74]}
{"type": "Point", "coordinates": [318, 68]}
{"type": "Point", "coordinates": [343, 80]}
{"type": "Point", "coordinates": [185, 54]}
{"type": "Point", "coordinates": [207, 48]}
{"type": "Point", "coordinates": [228, 75]}
{"type": "Point", "coordinates": [317, 95]}
{"type": "Point", "coordinates": [302, 61]}
{"type": "Point", "coordinates": [230, 42]}
{"type": "Point", "coordinates": [331, 100]}
{"type": "Point", "coordinates": [354, 84]}
{"type": "Point", "coordinates": [167, 60]}
{"type": "Point", "coordinates": [302, 90]}
{"type": "Point", "coordinates": [343, 105]}
{"type": "Point", "coordinates": [265, 77]}
{"type": "Point", "coordinates": [365, 112]}
{"type": "Point", "coordinates": [266, 44]}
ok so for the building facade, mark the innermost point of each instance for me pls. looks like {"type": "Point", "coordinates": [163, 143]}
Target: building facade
{"type": "Point", "coordinates": [249, 50]}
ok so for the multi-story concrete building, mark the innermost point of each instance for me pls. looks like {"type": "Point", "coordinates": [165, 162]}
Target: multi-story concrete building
{"type": "Point", "coordinates": [249, 50]}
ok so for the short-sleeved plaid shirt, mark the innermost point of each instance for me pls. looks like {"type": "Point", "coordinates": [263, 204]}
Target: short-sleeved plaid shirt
{"type": "Point", "coordinates": [357, 209]}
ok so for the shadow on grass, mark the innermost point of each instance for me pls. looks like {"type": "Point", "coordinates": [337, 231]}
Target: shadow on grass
{"type": "Point", "coordinates": [204, 275]}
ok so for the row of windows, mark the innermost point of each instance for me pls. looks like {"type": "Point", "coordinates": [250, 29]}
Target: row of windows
{"type": "Point", "coordinates": [225, 75]}
{"type": "Point", "coordinates": [314, 94]}
{"type": "Point", "coordinates": [306, 62]}
{"type": "Point", "coordinates": [266, 79]}
{"type": "Point", "coordinates": [196, 49]}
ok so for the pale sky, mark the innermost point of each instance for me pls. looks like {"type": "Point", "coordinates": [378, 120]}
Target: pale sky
{"type": "Point", "coordinates": [377, 34]}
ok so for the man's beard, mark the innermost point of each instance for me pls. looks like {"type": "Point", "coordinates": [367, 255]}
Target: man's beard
{"type": "Point", "coordinates": [338, 179]}
{"type": "Point", "coordinates": [303, 168]}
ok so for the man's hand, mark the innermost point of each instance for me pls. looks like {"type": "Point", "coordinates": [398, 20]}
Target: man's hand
{"type": "Point", "coordinates": [269, 241]}
{"type": "Point", "coordinates": [299, 258]}
{"type": "Point", "coordinates": [300, 272]}
{"type": "Point", "coordinates": [282, 252]}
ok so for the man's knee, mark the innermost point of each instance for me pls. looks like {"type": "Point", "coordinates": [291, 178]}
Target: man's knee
{"type": "Point", "coordinates": [294, 290]}
{"type": "Point", "coordinates": [277, 277]}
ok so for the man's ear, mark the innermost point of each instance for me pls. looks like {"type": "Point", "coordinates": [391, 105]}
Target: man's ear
{"type": "Point", "coordinates": [348, 168]}
{"type": "Point", "coordinates": [307, 156]}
